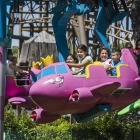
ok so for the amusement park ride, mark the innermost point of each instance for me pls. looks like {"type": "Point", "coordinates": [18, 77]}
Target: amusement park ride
{"type": "Point", "coordinates": [53, 90]}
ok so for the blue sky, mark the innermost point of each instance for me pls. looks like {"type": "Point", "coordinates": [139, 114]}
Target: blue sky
{"type": "Point", "coordinates": [15, 42]}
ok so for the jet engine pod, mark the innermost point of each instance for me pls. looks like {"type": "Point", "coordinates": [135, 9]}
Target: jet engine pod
{"type": "Point", "coordinates": [84, 96]}
{"type": "Point", "coordinates": [24, 101]}
{"type": "Point", "coordinates": [41, 116]}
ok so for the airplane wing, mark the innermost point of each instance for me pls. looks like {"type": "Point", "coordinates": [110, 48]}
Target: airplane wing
{"type": "Point", "coordinates": [93, 94]}
{"type": "Point", "coordinates": [110, 88]}
{"type": "Point", "coordinates": [99, 91]}
{"type": "Point", "coordinates": [129, 108]}
{"type": "Point", "coordinates": [105, 88]}
{"type": "Point", "coordinates": [120, 91]}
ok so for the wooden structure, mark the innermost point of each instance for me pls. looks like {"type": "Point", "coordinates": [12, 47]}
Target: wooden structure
{"type": "Point", "coordinates": [34, 18]}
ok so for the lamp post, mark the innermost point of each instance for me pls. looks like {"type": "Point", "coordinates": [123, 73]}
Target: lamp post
{"type": "Point", "coordinates": [2, 89]}
{"type": "Point", "coordinates": [4, 42]}
{"type": "Point", "coordinates": [2, 64]}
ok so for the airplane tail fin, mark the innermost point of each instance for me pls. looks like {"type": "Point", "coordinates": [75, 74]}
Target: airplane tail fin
{"type": "Point", "coordinates": [129, 58]}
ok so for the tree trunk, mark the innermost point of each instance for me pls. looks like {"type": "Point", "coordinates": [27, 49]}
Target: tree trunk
{"type": "Point", "coordinates": [135, 17]}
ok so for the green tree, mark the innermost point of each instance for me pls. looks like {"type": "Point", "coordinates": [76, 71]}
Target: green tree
{"type": "Point", "coordinates": [15, 51]}
{"type": "Point", "coordinates": [14, 122]}
{"type": "Point", "coordinates": [105, 127]}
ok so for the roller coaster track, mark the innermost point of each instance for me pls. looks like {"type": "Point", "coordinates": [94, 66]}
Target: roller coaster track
{"type": "Point", "coordinates": [44, 20]}
{"type": "Point", "coordinates": [90, 26]}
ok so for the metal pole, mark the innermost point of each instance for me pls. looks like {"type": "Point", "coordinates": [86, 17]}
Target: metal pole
{"type": "Point", "coordinates": [2, 64]}
{"type": "Point", "coordinates": [2, 89]}
{"type": "Point", "coordinates": [83, 39]}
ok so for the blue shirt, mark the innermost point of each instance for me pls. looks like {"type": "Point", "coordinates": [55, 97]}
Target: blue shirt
{"type": "Point", "coordinates": [116, 64]}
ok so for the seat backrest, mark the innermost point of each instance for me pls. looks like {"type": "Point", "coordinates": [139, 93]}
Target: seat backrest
{"type": "Point", "coordinates": [95, 70]}
{"type": "Point", "coordinates": [13, 90]}
{"type": "Point", "coordinates": [126, 72]}
{"type": "Point", "coordinates": [129, 58]}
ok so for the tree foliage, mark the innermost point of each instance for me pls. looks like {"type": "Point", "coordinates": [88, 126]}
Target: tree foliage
{"type": "Point", "coordinates": [15, 51]}
{"type": "Point", "coordinates": [14, 122]}
{"type": "Point", "coordinates": [106, 127]}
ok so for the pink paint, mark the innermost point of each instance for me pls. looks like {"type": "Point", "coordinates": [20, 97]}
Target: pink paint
{"type": "Point", "coordinates": [12, 90]}
{"type": "Point", "coordinates": [41, 116]}
{"type": "Point", "coordinates": [54, 93]}
{"type": "Point", "coordinates": [23, 101]}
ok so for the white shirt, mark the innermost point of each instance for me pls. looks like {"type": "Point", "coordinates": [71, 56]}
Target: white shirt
{"type": "Point", "coordinates": [73, 69]}
{"type": "Point", "coordinates": [8, 69]}
{"type": "Point", "coordinates": [82, 69]}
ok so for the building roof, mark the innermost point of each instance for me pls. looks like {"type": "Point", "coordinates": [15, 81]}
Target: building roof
{"type": "Point", "coordinates": [42, 37]}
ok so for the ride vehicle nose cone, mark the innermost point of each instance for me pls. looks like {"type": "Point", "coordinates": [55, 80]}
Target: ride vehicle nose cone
{"type": "Point", "coordinates": [33, 116]}
{"type": "Point", "coordinates": [75, 95]}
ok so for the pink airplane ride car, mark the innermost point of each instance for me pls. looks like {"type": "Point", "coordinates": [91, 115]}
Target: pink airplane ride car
{"type": "Point", "coordinates": [18, 95]}
{"type": "Point", "coordinates": [55, 91]}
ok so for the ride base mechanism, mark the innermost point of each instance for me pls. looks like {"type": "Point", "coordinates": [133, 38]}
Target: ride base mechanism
{"type": "Point", "coordinates": [97, 111]}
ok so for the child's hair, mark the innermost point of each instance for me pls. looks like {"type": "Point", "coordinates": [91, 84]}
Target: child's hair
{"type": "Point", "coordinates": [13, 58]}
{"type": "Point", "coordinates": [83, 47]}
{"type": "Point", "coordinates": [117, 51]}
{"type": "Point", "coordinates": [74, 57]}
{"type": "Point", "coordinates": [104, 48]}
{"type": "Point", "coordinates": [137, 44]}
{"type": "Point", "coordinates": [24, 64]}
{"type": "Point", "coordinates": [9, 51]}
{"type": "Point", "coordinates": [128, 44]}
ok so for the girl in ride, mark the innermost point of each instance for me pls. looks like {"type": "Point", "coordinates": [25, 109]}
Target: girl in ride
{"type": "Point", "coordinates": [10, 67]}
{"type": "Point", "coordinates": [104, 55]}
{"type": "Point", "coordinates": [84, 60]}
{"type": "Point", "coordinates": [72, 59]}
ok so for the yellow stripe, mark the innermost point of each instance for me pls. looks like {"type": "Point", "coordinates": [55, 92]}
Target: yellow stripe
{"type": "Point", "coordinates": [97, 63]}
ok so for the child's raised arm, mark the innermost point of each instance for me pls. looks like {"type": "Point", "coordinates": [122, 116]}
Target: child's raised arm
{"type": "Point", "coordinates": [84, 63]}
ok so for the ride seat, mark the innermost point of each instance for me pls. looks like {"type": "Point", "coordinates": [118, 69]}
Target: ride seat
{"type": "Point", "coordinates": [95, 70]}
{"type": "Point", "coordinates": [125, 71]}
{"type": "Point", "coordinates": [11, 79]}
{"type": "Point", "coordinates": [13, 90]}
